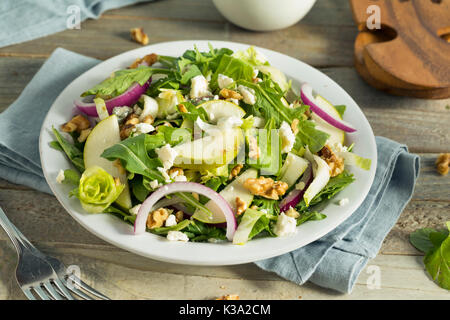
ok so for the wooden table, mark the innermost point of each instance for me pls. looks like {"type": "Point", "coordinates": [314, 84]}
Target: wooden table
{"type": "Point", "coordinates": [324, 39]}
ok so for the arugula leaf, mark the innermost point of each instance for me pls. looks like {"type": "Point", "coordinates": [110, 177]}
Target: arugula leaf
{"type": "Point", "coordinates": [178, 227]}
{"type": "Point", "coordinates": [71, 177]}
{"type": "Point", "coordinates": [130, 218]}
{"type": "Point", "coordinates": [140, 188]}
{"type": "Point", "coordinates": [262, 224]}
{"type": "Point", "coordinates": [206, 61]}
{"type": "Point", "coordinates": [340, 109]}
{"type": "Point", "coordinates": [73, 153]}
{"type": "Point", "coordinates": [193, 112]}
{"type": "Point", "coordinates": [312, 215]}
{"type": "Point", "coordinates": [269, 104]}
{"type": "Point", "coordinates": [233, 68]}
{"type": "Point", "coordinates": [198, 231]}
{"type": "Point", "coordinates": [309, 136]}
{"type": "Point", "coordinates": [334, 186]}
{"type": "Point", "coordinates": [122, 80]}
{"type": "Point", "coordinates": [133, 154]}
{"type": "Point", "coordinates": [187, 70]}
{"type": "Point", "coordinates": [169, 82]}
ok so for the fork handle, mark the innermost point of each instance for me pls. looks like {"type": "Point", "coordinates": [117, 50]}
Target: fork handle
{"type": "Point", "coordinates": [12, 232]}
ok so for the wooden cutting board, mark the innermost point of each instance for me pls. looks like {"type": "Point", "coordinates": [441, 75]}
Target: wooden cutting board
{"type": "Point", "coordinates": [410, 54]}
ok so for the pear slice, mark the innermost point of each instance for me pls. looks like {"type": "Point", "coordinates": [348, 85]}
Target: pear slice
{"type": "Point", "coordinates": [104, 135]}
{"type": "Point", "coordinates": [217, 109]}
{"type": "Point", "coordinates": [211, 151]}
{"type": "Point", "coordinates": [336, 135]}
{"type": "Point", "coordinates": [229, 193]}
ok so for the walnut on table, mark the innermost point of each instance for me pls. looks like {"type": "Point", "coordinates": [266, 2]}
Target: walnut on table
{"type": "Point", "coordinates": [138, 35]}
{"type": "Point", "coordinates": [443, 163]}
{"type": "Point", "coordinates": [266, 187]}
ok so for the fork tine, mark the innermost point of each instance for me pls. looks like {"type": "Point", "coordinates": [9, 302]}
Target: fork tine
{"type": "Point", "coordinates": [28, 294]}
{"type": "Point", "coordinates": [88, 288]}
{"type": "Point", "coordinates": [41, 293]}
{"type": "Point", "coordinates": [48, 286]}
{"type": "Point", "coordinates": [63, 289]}
{"type": "Point", "coordinates": [79, 293]}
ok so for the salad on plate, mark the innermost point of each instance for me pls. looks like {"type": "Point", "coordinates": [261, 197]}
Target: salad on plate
{"type": "Point", "coordinates": [207, 147]}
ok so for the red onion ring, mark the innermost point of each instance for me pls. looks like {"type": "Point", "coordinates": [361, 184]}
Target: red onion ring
{"type": "Point", "coordinates": [308, 99]}
{"type": "Point", "coordinates": [128, 98]}
{"type": "Point", "coordinates": [294, 197]}
{"type": "Point", "coordinates": [221, 204]}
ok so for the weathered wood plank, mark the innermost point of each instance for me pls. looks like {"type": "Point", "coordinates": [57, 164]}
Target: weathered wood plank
{"type": "Point", "coordinates": [324, 12]}
{"type": "Point", "coordinates": [421, 124]}
{"type": "Point", "coordinates": [193, 10]}
{"type": "Point", "coordinates": [318, 45]}
{"type": "Point", "coordinates": [126, 276]}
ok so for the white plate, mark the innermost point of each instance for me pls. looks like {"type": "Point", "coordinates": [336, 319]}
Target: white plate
{"type": "Point", "coordinates": [119, 233]}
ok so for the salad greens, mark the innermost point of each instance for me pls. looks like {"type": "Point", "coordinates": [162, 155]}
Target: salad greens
{"type": "Point", "coordinates": [172, 136]}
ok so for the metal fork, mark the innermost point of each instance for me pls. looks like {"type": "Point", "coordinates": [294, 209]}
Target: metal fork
{"type": "Point", "coordinates": [40, 275]}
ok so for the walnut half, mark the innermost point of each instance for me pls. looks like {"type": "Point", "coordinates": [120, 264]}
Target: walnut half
{"type": "Point", "coordinates": [157, 218]}
{"type": "Point", "coordinates": [138, 35]}
{"type": "Point", "coordinates": [266, 187]}
{"type": "Point", "coordinates": [335, 163]}
{"type": "Point", "coordinates": [443, 163]}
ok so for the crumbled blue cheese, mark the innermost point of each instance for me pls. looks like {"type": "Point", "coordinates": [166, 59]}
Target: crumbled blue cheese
{"type": "Point", "coordinates": [224, 81]}
{"type": "Point", "coordinates": [122, 112]}
{"type": "Point", "coordinates": [258, 122]}
{"type": "Point", "coordinates": [135, 209]}
{"type": "Point", "coordinates": [230, 122]}
{"type": "Point", "coordinates": [155, 183]}
{"type": "Point", "coordinates": [164, 174]}
{"type": "Point", "coordinates": [285, 225]}
{"type": "Point", "coordinates": [248, 94]}
{"type": "Point", "coordinates": [177, 236]}
{"type": "Point", "coordinates": [287, 137]}
{"type": "Point", "coordinates": [343, 202]}
{"type": "Point", "coordinates": [180, 178]}
{"type": "Point", "coordinates": [60, 177]}
{"type": "Point", "coordinates": [167, 155]}
{"type": "Point", "coordinates": [150, 107]}
{"type": "Point", "coordinates": [171, 221]}
{"type": "Point", "coordinates": [199, 87]}
{"type": "Point", "coordinates": [235, 101]}
{"type": "Point", "coordinates": [300, 186]}
{"type": "Point", "coordinates": [141, 128]}
{"type": "Point", "coordinates": [255, 73]}
{"type": "Point", "coordinates": [137, 110]}
{"type": "Point", "coordinates": [338, 147]}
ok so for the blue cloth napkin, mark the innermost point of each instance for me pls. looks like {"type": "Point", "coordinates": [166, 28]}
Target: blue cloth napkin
{"type": "Point", "coordinates": [24, 20]}
{"type": "Point", "coordinates": [334, 261]}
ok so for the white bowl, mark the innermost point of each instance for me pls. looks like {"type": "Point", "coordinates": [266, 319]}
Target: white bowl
{"type": "Point", "coordinates": [264, 15]}
{"type": "Point", "coordinates": [120, 234]}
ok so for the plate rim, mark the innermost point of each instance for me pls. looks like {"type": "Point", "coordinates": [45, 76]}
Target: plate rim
{"type": "Point", "coordinates": [162, 257]}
